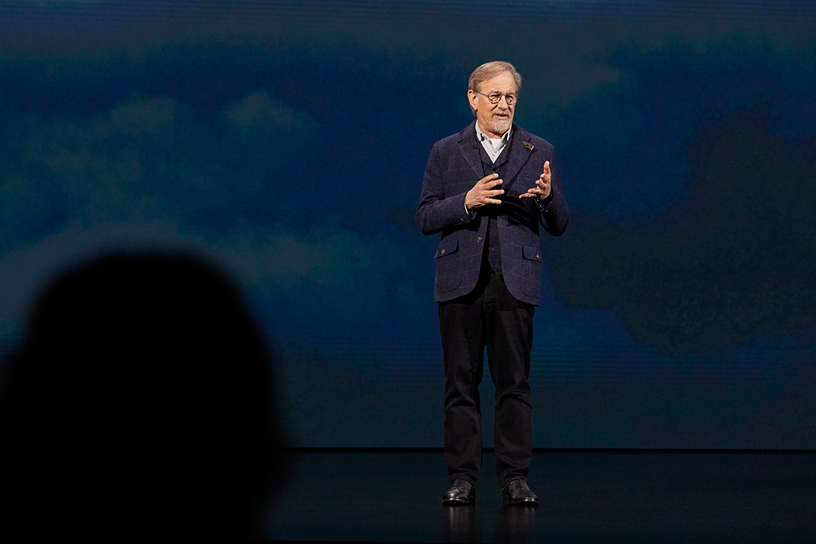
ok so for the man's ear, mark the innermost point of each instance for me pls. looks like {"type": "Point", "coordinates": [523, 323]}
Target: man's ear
{"type": "Point", "coordinates": [473, 98]}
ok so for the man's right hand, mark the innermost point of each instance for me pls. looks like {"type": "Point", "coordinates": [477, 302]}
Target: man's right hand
{"type": "Point", "coordinates": [484, 193]}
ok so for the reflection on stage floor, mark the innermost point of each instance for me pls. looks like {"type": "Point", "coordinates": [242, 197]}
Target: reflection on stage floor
{"type": "Point", "coordinates": [585, 496]}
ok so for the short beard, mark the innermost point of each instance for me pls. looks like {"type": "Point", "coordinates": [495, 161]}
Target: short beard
{"type": "Point", "coordinates": [499, 127]}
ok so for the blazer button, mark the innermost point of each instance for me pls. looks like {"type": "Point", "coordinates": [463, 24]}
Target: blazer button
{"type": "Point", "coordinates": [479, 239]}
{"type": "Point", "coordinates": [538, 257]}
{"type": "Point", "coordinates": [442, 252]}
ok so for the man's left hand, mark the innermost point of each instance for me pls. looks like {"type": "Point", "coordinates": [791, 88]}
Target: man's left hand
{"type": "Point", "coordinates": [542, 188]}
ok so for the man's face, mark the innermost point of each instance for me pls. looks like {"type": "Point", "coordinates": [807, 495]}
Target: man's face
{"type": "Point", "coordinates": [494, 119]}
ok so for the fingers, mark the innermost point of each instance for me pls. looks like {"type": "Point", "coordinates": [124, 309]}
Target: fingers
{"type": "Point", "coordinates": [483, 192]}
{"type": "Point", "coordinates": [490, 181]}
{"type": "Point", "coordinates": [487, 196]}
{"type": "Point", "coordinates": [542, 187]}
{"type": "Point", "coordinates": [488, 189]}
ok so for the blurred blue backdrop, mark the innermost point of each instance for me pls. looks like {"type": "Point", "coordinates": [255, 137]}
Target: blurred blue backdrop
{"type": "Point", "coordinates": [286, 142]}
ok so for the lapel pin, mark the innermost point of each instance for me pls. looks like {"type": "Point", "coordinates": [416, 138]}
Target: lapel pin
{"type": "Point", "coordinates": [528, 145]}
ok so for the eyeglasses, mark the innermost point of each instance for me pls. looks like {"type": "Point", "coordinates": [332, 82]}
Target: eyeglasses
{"type": "Point", "coordinates": [495, 98]}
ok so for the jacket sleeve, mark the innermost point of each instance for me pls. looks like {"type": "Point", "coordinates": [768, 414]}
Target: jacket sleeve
{"type": "Point", "coordinates": [438, 210]}
{"type": "Point", "coordinates": [554, 211]}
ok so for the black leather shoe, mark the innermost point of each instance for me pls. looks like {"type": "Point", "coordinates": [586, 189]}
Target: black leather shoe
{"type": "Point", "coordinates": [461, 492]}
{"type": "Point", "coordinates": [518, 493]}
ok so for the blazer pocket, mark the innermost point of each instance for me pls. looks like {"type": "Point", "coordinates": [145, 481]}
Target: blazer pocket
{"type": "Point", "coordinates": [531, 270]}
{"type": "Point", "coordinates": [446, 247]}
{"type": "Point", "coordinates": [531, 253]}
{"type": "Point", "coordinates": [448, 273]}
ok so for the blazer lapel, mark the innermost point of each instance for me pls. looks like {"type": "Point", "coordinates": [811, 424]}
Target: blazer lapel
{"type": "Point", "coordinates": [519, 154]}
{"type": "Point", "coordinates": [470, 149]}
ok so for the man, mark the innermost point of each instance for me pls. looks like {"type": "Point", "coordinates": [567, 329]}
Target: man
{"type": "Point", "coordinates": [140, 402]}
{"type": "Point", "coordinates": [487, 189]}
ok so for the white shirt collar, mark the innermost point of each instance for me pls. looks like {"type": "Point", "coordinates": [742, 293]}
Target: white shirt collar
{"type": "Point", "coordinates": [481, 136]}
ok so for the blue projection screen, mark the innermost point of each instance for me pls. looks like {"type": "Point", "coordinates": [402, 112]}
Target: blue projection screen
{"type": "Point", "coordinates": [286, 142]}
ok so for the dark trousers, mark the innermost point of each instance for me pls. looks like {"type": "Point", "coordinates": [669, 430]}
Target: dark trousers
{"type": "Point", "coordinates": [487, 317]}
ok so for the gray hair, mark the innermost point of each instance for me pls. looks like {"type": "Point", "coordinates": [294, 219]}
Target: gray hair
{"type": "Point", "coordinates": [492, 69]}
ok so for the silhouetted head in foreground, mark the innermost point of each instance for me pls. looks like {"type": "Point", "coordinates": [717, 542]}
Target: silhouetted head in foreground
{"type": "Point", "coordinates": [139, 404]}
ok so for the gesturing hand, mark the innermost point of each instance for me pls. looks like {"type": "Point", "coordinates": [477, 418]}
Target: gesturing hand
{"type": "Point", "coordinates": [483, 192]}
{"type": "Point", "coordinates": [542, 188]}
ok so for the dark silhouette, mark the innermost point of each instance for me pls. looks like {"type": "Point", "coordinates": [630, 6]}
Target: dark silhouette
{"type": "Point", "coordinates": [139, 404]}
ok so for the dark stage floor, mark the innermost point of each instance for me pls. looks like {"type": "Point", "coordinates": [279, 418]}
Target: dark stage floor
{"type": "Point", "coordinates": [585, 496]}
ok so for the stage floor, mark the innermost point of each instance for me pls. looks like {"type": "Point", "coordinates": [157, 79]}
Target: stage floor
{"type": "Point", "coordinates": [585, 496]}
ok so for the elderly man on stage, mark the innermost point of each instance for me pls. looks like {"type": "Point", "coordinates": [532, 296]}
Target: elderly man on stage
{"type": "Point", "coordinates": [487, 190]}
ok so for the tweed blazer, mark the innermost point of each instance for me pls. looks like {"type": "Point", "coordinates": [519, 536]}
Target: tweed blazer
{"type": "Point", "coordinates": [453, 168]}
